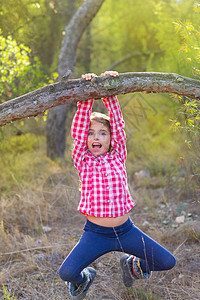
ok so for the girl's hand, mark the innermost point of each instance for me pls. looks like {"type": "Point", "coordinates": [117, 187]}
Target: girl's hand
{"type": "Point", "coordinates": [88, 76]}
{"type": "Point", "coordinates": [111, 73]}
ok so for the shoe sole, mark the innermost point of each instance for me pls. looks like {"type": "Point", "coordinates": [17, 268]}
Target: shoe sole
{"type": "Point", "coordinates": [122, 261]}
{"type": "Point", "coordinates": [93, 272]}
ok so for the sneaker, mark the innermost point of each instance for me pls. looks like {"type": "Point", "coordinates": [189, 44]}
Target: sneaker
{"type": "Point", "coordinates": [126, 266]}
{"type": "Point", "coordinates": [137, 270]}
{"type": "Point", "coordinates": [132, 270]}
{"type": "Point", "coordinates": [79, 291]}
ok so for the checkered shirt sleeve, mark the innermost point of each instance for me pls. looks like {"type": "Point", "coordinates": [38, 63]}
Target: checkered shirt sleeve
{"type": "Point", "coordinates": [79, 130]}
{"type": "Point", "coordinates": [118, 136]}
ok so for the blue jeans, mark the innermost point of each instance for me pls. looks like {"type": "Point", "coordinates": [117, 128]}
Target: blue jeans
{"type": "Point", "coordinates": [98, 240]}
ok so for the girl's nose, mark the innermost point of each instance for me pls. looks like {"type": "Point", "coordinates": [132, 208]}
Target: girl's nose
{"type": "Point", "coordinates": [96, 136]}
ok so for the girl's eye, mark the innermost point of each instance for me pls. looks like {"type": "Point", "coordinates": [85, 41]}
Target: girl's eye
{"type": "Point", "coordinates": [103, 133]}
{"type": "Point", "coordinates": [90, 133]}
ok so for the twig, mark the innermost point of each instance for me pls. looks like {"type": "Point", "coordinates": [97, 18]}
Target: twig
{"type": "Point", "coordinates": [180, 246]}
{"type": "Point", "coordinates": [31, 249]}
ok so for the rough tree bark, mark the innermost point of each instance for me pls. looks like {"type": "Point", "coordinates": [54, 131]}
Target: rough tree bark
{"type": "Point", "coordinates": [60, 93]}
{"type": "Point", "coordinates": [56, 132]}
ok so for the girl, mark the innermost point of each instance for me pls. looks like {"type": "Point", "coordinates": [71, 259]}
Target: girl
{"type": "Point", "coordinates": [99, 156]}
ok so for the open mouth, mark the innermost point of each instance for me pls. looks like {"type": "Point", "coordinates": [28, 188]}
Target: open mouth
{"type": "Point", "coordinates": [96, 145]}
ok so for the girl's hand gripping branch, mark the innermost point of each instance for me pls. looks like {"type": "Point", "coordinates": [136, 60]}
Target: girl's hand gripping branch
{"type": "Point", "coordinates": [111, 73]}
{"type": "Point", "coordinates": [88, 76]}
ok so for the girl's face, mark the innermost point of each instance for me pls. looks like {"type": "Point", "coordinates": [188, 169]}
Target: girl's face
{"type": "Point", "coordinates": [98, 140]}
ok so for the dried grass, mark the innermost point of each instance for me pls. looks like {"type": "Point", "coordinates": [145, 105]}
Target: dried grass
{"type": "Point", "coordinates": [30, 257]}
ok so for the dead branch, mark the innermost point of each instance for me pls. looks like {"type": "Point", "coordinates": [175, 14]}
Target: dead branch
{"type": "Point", "coordinates": [38, 101]}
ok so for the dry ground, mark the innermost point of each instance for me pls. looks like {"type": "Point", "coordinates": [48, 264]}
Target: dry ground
{"type": "Point", "coordinates": [31, 253]}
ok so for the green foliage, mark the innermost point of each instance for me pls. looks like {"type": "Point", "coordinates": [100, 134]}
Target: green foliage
{"type": "Point", "coordinates": [151, 142]}
{"type": "Point", "coordinates": [7, 295]}
{"type": "Point", "coordinates": [193, 116]}
{"type": "Point", "coordinates": [18, 143]}
{"type": "Point", "coordinates": [190, 49]}
{"type": "Point", "coordinates": [18, 75]}
{"type": "Point", "coordinates": [126, 36]}
{"type": "Point", "coordinates": [189, 32]}
{"type": "Point", "coordinates": [188, 123]}
{"type": "Point", "coordinates": [141, 37]}
{"type": "Point", "coordinates": [14, 59]}
{"type": "Point", "coordinates": [38, 24]}
{"type": "Point", "coordinates": [15, 162]}
{"type": "Point", "coordinates": [141, 293]}
{"type": "Point", "coordinates": [22, 161]}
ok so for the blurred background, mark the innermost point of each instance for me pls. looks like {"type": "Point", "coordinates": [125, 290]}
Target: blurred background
{"type": "Point", "coordinates": [39, 193]}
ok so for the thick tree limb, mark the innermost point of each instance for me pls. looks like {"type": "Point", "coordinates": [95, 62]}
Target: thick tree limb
{"type": "Point", "coordinates": [38, 101]}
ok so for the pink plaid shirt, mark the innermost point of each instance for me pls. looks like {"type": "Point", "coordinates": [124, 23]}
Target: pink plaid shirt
{"type": "Point", "coordinates": [104, 190]}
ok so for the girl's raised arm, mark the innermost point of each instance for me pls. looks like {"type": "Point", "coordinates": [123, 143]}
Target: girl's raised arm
{"type": "Point", "coordinates": [79, 130]}
{"type": "Point", "coordinates": [118, 136]}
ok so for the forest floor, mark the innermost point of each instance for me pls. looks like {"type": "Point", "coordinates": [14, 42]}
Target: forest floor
{"type": "Point", "coordinates": [30, 258]}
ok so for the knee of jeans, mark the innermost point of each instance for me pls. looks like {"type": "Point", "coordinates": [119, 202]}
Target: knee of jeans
{"type": "Point", "coordinates": [173, 262]}
{"type": "Point", "coordinates": [67, 274]}
{"type": "Point", "coordinates": [169, 263]}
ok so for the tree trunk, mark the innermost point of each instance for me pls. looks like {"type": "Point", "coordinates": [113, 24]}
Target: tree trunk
{"type": "Point", "coordinates": [60, 93]}
{"type": "Point", "coordinates": [87, 51]}
{"type": "Point", "coordinates": [56, 132]}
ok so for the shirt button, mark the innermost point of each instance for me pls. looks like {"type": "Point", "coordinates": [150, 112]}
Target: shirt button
{"type": "Point", "coordinates": [108, 201]}
{"type": "Point", "coordinates": [106, 174]}
{"type": "Point", "coordinates": [108, 187]}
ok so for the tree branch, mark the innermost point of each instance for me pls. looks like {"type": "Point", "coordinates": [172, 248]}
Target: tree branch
{"type": "Point", "coordinates": [38, 101]}
{"type": "Point", "coordinates": [131, 55]}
